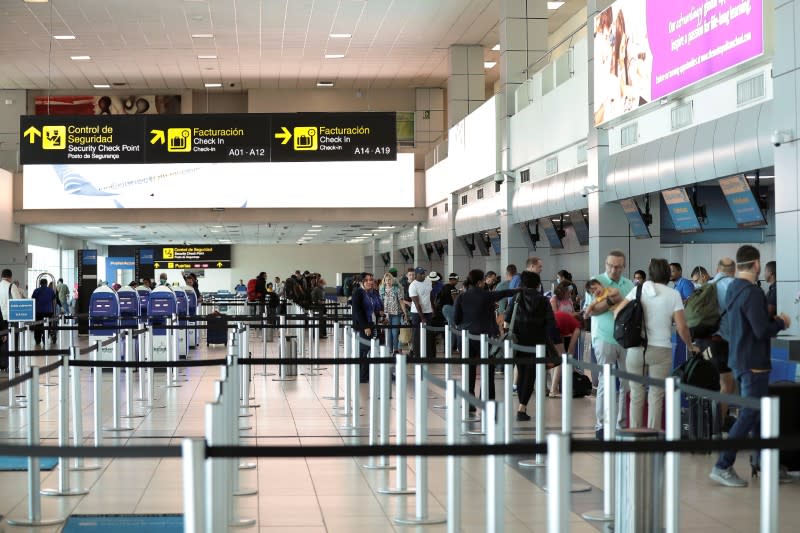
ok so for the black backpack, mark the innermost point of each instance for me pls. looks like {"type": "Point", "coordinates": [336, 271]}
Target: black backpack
{"type": "Point", "coordinates": [698, 372]}
{"type": "Point", "coordinates": [629, 326]}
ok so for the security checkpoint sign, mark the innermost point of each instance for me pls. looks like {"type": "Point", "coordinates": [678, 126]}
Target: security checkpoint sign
{"type": "Point", "coordinates": [193, 256]}
{"type": "Point", "coordinates": [22, 310]}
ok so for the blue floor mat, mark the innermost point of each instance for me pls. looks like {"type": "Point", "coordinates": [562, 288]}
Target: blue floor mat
{"type": "Point", "coordinates": [124, 523]}
{"type": "Point", "coordinates": [14, 464]}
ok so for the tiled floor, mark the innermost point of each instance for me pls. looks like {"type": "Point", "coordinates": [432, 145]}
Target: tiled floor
{"type": "Point", "coordinates": [338, 495]}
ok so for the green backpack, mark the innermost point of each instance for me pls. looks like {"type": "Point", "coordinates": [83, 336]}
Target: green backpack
{"type": "Point", "coordinates": [702, 312]}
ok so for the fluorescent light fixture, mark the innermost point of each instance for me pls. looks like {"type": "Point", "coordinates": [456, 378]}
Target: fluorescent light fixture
{"type": "Point", "coordinates": [324, 84]}
{"type": "Point", "coordinates": [206, 57]}
{"type": "Point", "coordinates": [63, 37]}
{"type": "Point", "coordinates": [496, 48]}
{"type": "Point", "coordinates": [334, 56]}
{"type": "Point", "coordinates": [380, 230]}
{"type": "Point", "coordinates": [36, 1]}
{"type": "Point", "coordinates": [366, 234]}
{"type": "Point", "coordinates": [217, 226]}
{"type": "Point", "coordinates": [386, 227]}
{"type": "Point", "coordinates": [202, 36]}
{"type": "Point", "coordinates": [115, 235]}
{"type": "Point", "coordinates": [101, 86]}
{"type": "Point", "coordinates": [489, 64]}
{"type": "Point", "coordinates": [316, 226]}
{"type": "Point", "coordinates": [313, 231]}
{"type": "Point", "coordinates": [554, 5]}
{"type": "Point", "coordinates": [212, 85]}
{"type": "Point", "coordinates": [340, 35]}
{"type": "Point", "coordinates": [80, 58]}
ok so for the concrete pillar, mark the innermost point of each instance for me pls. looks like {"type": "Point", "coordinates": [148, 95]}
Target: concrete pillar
{"type": "Point", "coordinates": [458, 258]}
{"type": "Point", "coordinates": [786, 83]}
{"type": "Point", "coordinates": [466, 86]}
{"type": "Point", "coordinates": [396, 259]}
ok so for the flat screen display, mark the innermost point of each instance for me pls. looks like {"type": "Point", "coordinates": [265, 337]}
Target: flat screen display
{"type": "Point", "coordinates": [551, 233]}
{"type": "Point", "coordinates": [647, 49]}
{"type": "Point", "coordinates": [634, 216]}
{"type": "Point", "coordinates": [742, 201]}
{"type": "Point", "coordinates": [580, 226]}
{"type": "Point", "coordinates": [681, 211]}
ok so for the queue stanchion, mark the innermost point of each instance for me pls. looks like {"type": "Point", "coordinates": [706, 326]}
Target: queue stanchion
{"type": "Point", "coordinates": [609, 435]}
{"type": "Point", "coordinates": [672, 465]}
{"type": "Point", "coordinates": [453, 461]}
{"type": "Point", "coordinates": [217, 515]}
{"type": "Point", "coordinates": [385, 372]}
{"type": "Point", "coordinates": [172, 353]}
{"type": "Point", "coordinates": [34, 517]}
{"type": "Point", "coordinates": [401, 412]}
{"type": "Point", "coordinates": [193, 475]}
{"type": "Point", "coordinates": [541, 376]}
{"type": "Point", "coordinates": [76, 406]}
{"type": "Point", "coordinates": [484, 345]}
{"type": "Point", "coordinates": [355, 379]}
{"type": "Point", "coordinates": [232, 401]}
{"type": "Point", "coordinates": [374, 409]}
{"type": "Point", "coordinates": [341, 410]}
{"type": "Point", "coordinates": [350, 351]}
{"type": "Point", "coordinates": [423, 349]}
{"type": "Point", "coordinates": [12, 367]}
{"type": "Point", "coordinates": [63, 435]}
{"type": "Point", "coordinates": [116, 424]}
{"type": "Point", "coordinates": [421, 513]}
{"type": "Point", "coordinates": [98, 398]}
{"type": "Point", "coordinates": [140, 357]}
{"type": "Point", "coordinates": [151, 385]}
{"type": "Point", "coordinates": [465, 411]}
{"type": "Point", "coordinates": [770, 465]}
{"type": "Point", "coordinates": [495, 475]}
{"type": "Point", "coordinates": [48, 344]}
{"type": "Point", "coordinates": [448, 350]}
{"type": "Point", "coordinates": [244, 379]}
{"type": "Point", "coordinates": [566, 416]}
{"type": "Point", "coordinates": [558, 479]}
{"type": "Point", "coordinates": [335, 396]}
{"type": "Point", "coordinates": [508, 392]}
{"type": "Point", "coordinates": [129, 349]}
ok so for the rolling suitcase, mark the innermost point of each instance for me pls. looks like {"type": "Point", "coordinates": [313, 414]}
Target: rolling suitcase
{"type": "Point", "coordinates": [217, 332]}
{"type": "Point", "coordinates": [789, 394]}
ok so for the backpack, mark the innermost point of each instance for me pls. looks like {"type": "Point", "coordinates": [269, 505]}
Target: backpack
{"type": "Point", "coordinates": [702, 311]}
{"type": "Point", "coordinates": [252, 295]}
{"type": "Point", "coordinates": [581, 384]}
{"type": "Point", "coordinates": [698, 372]}
{"type": "Point", "coordinates": [629, 328]}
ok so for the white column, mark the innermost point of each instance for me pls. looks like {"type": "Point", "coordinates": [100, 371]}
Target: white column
{"type": "Point", "coordinates": [466, 85]}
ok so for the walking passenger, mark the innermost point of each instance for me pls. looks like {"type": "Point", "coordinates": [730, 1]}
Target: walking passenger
{"type": "Point", "coordinates": [392, 297]}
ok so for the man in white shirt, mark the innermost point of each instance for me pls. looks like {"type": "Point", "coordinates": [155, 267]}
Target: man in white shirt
{"type": "Point", "coordinates": [7, 291]}
{"type": "Point", "coordinates": [421, 306]}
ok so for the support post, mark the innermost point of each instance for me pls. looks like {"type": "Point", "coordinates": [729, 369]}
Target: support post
{"type": "Point", "coordinates": [770, 429]}
{"type": "Point", "coordinates": [558, 481]}
{"type": "Point", "coordinates": [193, 453]}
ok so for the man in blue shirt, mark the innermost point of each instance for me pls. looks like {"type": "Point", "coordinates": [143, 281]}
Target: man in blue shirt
{"type": "Point", "coordinates": [45, 306]}
{"type": "Point", "coordinates": [749, 329]}
{"type": "Point", "coordinates": [685, 288]}
{"type": "Point", "coordinates": [606, 348]}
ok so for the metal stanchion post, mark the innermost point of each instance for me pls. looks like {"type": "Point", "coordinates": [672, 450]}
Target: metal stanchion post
{"type": "Point", "coordinates": [129, 344]}
{"type": "Point", "coordinates": [335, 397]}
{"type": "Point", "coordinates": [770, 429]}
{"type": "Point", "coordinates": [609, 429]}
{"type": "Point", "coordinates": [448, 350]}
{"type": "Point", "coordinates": [401, 395]}
{"type": "Point", "coordinates": [63, 435]}
{"type": "Point", "coordinates": [558, 479]}
{"type": "Point", "coordinates": [672, 463]}
{"type": "Point", "coordinates": [484, 344]}
{"type": "Point", "coordinates": [116, 424]}
{"type": "Point", "coordinates": [140, 345]}
{"type": "Point", "coordinates": [47, 345]}
{"type": "Point", "coordinates": [98, 399]}
{"type": "Point", "coordinates": [375, 411]}
{"type": "Point", "coordinates": [172, 353]}
{"type": "Point", "coordinates": [566, 415]}
{"type": "Point", "coordinates": [494, 470]}
{"type": "Point", "coordinates": [12, 366]}
{"type": "Point", "coordinates": [421, 424]}
{"type": "Point", "coordinates": [508, 392]}
{"type": "Point", "coordinates": [385, 371]}
{"type": "Point", "coordinates": [541, 376]}
{"type": "Point", "coordinates": [34, 517]}
{"type": "Point", "coordinates": [193, 454]}
{"type": "Point", "coordinates": [465, 377]}
{"type": "Point", "coordinates": [453, 461]}
{"type": "Point", "coordinates": [216, 514]}
{"type": "Point", "coordinates": [77, 411]}
{"type": "Point", "coordinates": [355, 379]}
{"type": "Point", "coordinates": [151, 375]}
{"type": "Point", "coordinates": [345, 409]}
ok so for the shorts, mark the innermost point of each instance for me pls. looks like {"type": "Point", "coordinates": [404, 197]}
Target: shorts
{"type": "Point", "coordinates": [719, 354]}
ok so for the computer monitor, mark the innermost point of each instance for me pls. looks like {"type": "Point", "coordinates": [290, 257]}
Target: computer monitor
{"type": "Point", "coordinates": [635, 218]}
{"type": "Point", "coordinates": [681, 211]}
{"type": "Point", "coordinates": [743, 203]}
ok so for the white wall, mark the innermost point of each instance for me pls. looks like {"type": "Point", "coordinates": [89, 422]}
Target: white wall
{"type": "Point", "coordinates": [8, 230]}
{"type": "Point", "coordinates": [330, 100]}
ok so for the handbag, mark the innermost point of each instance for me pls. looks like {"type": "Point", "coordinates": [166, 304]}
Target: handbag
{"type": "Point", "coordinates": [498, 350]}
{"type": "Point", "coordinates": [404, 337]}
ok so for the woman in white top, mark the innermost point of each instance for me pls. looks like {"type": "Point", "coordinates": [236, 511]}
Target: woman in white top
{"type": "Point", "coordinates": [662, 306]}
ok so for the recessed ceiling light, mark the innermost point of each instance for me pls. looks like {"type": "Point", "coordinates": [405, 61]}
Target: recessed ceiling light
{"type": "Point", "coordinates": [316, 226]}
{"type": "Point", "coordinates": [489, 64]}
{"type": "Point", "coordinates": [206, 57]}
{"type": "Point", "coordinates": [554, 5]}
{"type": "Point", "coordinates": [202, 36]}
{"type": "Point", "coordinates": [334, 56]}
{"type": "Point", "coordinates": [63, 37]}
{"type": "Point", "coordinates": [496, 48]}
{"type": "Point", "coordinates": [115, 235]}
{"type": "Point", "coordinates": [212, 85]}
{"type": "Point", "coordinates": [386, 227]}
{"type": "Point", "coordinates": [101, 86]}
{"type": "Point", "coordinates": [80, 58]}
{"type": "Point", "coordinates": [340, 35]}
{"type": "Point", "coordinates": [314, 230]}
{"type": "Point", "coordinates": [36, 1]}
{"type": "Point", "coordinates": [324, 84]}
{"type": "Point", "coordinates": [380, 230]}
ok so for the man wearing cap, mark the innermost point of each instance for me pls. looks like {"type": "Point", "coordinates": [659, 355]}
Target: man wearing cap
{"type": "Point", "coordinates": [421, 304]}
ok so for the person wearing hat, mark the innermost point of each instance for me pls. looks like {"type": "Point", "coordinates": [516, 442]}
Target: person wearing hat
{"type": "Point", "coordinates": [393, 272]}
{"type": "Point", "coordinates": [436, 284]}
{"type": "Point", "coordinates": [421, 304]}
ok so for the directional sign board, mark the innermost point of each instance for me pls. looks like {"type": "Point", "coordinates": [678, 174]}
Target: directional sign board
{"type": "Point", "coordinates": [188, 256]}
{"type": "Point", "coordinates": [213, 138]}
{"type": "Point", "coordinates": [21, 310]}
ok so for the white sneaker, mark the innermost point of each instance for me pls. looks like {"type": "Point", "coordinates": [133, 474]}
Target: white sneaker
{"type": "Point", "coordinates": [727, 477]}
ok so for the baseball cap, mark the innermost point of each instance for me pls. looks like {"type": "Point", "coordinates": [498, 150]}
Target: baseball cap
{"type": "Point", "coordinates": [454, 276]}
{"type": "Point", "coordinates": [393, 270]}
{"type": "Point", "coordinates": [419, 270]}
{"type": "Point", "coordinates": [434, 275]}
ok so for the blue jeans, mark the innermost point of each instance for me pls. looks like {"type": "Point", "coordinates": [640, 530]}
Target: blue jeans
{"type": "Point", "coordinates": [751, 385]}
{"type": "Point", "coordinates": [393, 334]}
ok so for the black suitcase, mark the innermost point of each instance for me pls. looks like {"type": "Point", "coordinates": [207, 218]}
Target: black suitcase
{"type": "Point", "coordinates": [217, 332]}
{"type": "Point", "coordinates": [789, 394]}
{"type": "Point", "coordinates": [700, 420]}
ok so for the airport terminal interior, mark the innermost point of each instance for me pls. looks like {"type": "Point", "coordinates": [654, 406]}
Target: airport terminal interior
{"type": "Point", "coordinates": [193, 193]}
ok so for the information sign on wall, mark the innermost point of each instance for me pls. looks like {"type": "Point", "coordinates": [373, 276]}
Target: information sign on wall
{"type": "Point", "coordinates": [186, 257]}
{"type": "Point", "coordinates": [21, 310]}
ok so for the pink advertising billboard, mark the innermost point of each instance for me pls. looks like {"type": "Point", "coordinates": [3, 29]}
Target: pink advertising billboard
{"type": "Point", "coordinates": [647, 49]}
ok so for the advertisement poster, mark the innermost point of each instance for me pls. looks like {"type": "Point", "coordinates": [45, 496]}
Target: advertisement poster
{"type": "Point", "coordinates": [645, 50]}
{"type": "Point", "coordinates": [162, 104]}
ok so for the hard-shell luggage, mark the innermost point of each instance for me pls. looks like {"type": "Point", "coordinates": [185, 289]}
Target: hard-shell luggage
{"type": "Point", "coordinates": [701, 419]}
{"type": "Point", "coordinates": [789, 395]}
{"type": "Point", "coordinates": [217, 332]}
